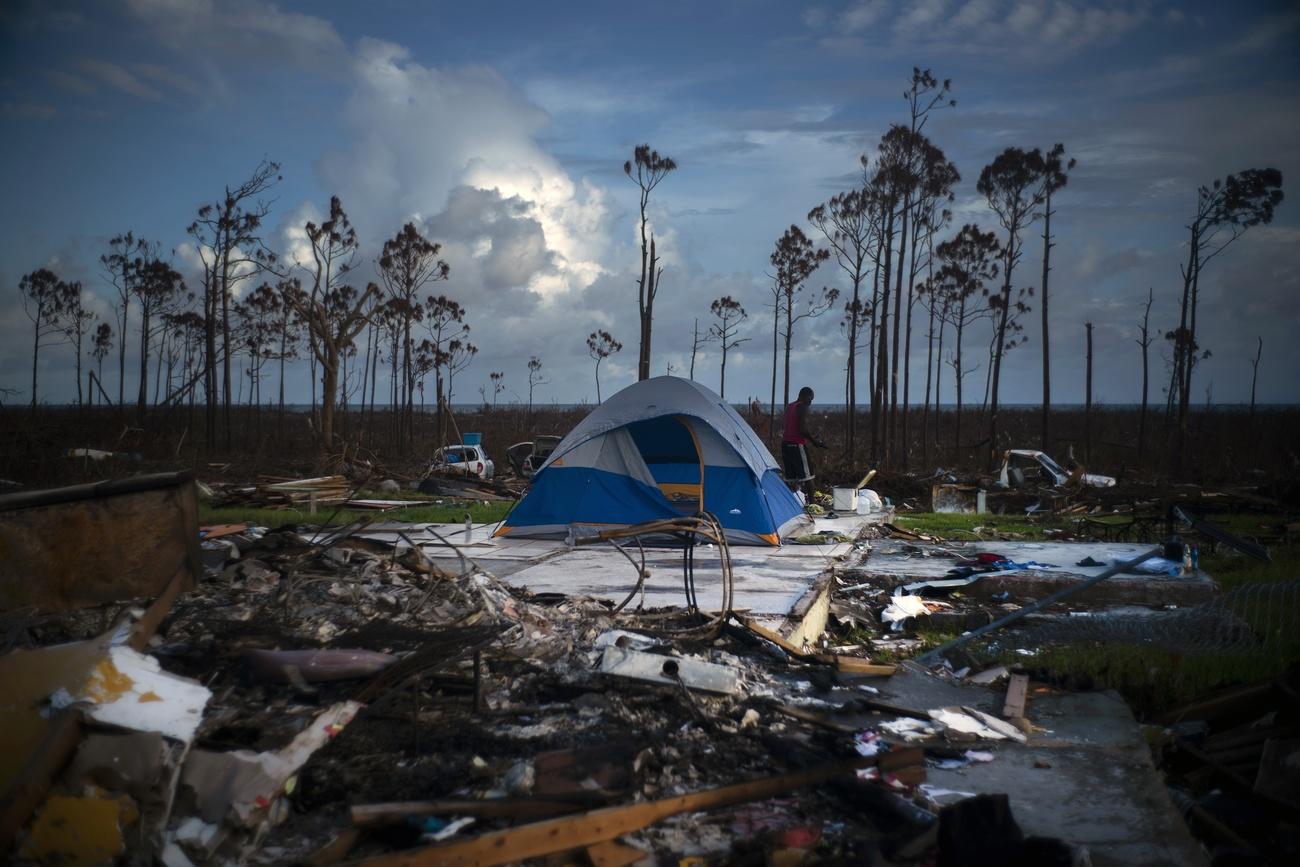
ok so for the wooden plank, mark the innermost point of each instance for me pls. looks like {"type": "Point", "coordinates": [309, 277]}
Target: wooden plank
{"type": "Point", "coordinates": [32, 783]}
{"type": "Point", "coordinates": [370, 815]}
{"type": "Point", "coordinates": [1017, 692]}
{"type": "Point", "coordinates": [613, 854]}
{"type": "Point", "coordinates": [856, 665]}
{"type": "Point", "coordinates": [576, 832]}
{"type": "Point", "coordinates": [336, 849]}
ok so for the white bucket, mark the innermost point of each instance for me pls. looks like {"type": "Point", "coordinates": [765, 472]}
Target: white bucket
{"type": "Point", "coordinates": [844, 499]}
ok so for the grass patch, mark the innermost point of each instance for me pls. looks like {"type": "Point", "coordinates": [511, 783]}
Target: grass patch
{"type": "Point", "coordinates": [447, 512]}
{"type": "Point", "coordinates": [963, 527]}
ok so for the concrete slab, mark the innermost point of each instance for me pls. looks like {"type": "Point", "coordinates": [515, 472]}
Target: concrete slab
{"type": "Point", "coordinates": [1100, 789]}
{"type": "Point", "coordinates": [766, 581]}
{"type": "Point", "coordinates": [900, 562]}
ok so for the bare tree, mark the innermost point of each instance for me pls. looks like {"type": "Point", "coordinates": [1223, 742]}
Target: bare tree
{"type": "Point", "coordinates": [697, 341]}
{"type": "Point", "coordinates": [650, 170]}
{"type": "Point", "coordinates": [409, 262]}
{"type": "Point", "coordinates": [849, 224]}
{"type": "Point", "coordinates": [794, 260]}
{"type": "Point", "coordinates": [100, 347]}
{"type": "Point", "coordinates": [1087, 400]}
{"type": "Point", "coordinates": [227, 234]}
{"type": "Point", "coordinates": [498, 385]}
{"type": "Point", "coordinates": [444, 319]}
{"type": "Point", "coordinates": [126, 254]}
{"type": "Point", "coordinates": [934, 192]}
{"type": "Point", "coordinates": [535, 378]}
{"type": "Point", "coordinates": [970, 260]}
{"type": "Point", "coordinates": [1254, 376]}
{"type": "Point", "coordinates": [730, 315]}
{"type": "Point", "coordinates": [333, 312]}
{"type": "Point", "coordinates": [1145, 342]}
{"type": "Point", "coordinates": [1224, 211]}
{"type": "Point", "coordinates": [601, 345]}
{"type": "Point", "coordinates": [46, 300]}
{"type": "Point", "coordinates": [77, 321]}
{"type": "Point", "coordinates": [1054, 178]}
{"type": "Point", "coordinates": [156, 288]}
{"type": "Point", "coordinates": [1011, 185]}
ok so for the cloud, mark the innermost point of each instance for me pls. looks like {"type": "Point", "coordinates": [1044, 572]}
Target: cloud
{"type": "Point", "coordinates": [1044, 28]}
{"type": "Point", "coordinates": [418, 133]}
{"type": "Point", "coordinates": [118, 78]}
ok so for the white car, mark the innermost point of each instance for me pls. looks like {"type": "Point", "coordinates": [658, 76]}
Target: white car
{"type": "Point", "coordinates": [1019, 464]}
{"type": "Point", "coordinates": [464, 460]}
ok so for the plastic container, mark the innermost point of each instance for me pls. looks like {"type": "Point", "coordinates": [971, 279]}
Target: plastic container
{"type": "Point", "coordinates": [844, 499]}
{"type": "Point", "coordinates": [473, 439]}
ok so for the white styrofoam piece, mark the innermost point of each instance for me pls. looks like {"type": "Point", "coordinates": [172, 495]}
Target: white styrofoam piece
{"type": "Point", "coordinates": [130, 690]}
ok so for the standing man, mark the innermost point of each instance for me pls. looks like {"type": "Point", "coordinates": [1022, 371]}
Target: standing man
{"type": "Point", "coordinates": [795, 437]}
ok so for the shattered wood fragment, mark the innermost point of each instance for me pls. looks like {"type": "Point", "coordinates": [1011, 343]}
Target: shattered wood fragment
{"type": "Point", "coordinates": [613, 854]}
{"type": "Point", "coordinates": [372, 815]}
{"type": "Point", "coordinates": [336, 849]}
{"type": "Point", "coordinates": [846, 664]}
{"type": "Point", "coordinates": [1017, 692]}
{"type": "Point", "coordinates": [576, 832]}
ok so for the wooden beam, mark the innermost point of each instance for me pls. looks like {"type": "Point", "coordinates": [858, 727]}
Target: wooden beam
{"type": "Point", "coordinates": [576, 832]}
{"type": "Point", "coordinates": [846, 664]}
{"type": "Point", "coordinates": [370, 815]}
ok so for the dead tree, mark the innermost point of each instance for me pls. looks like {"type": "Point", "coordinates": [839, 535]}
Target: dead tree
{"type": "Point", "coordinates": [408, 263]}
{"type": "Point", "coordinates": [1254, 376]}
{"type": "Point", "coordinates": [730, 315]}
{"type": "Point", "coordinates": [46, 300]}
{"type": "Point", "coordinates": [650, 170]}
{"type": "Point", "coordinates": [535, 378]}
{"type": "Point", "coordinates": [444, 319]}
{"type": "Point", "coordinates": [601, 345]}
{"type": "Point", "coordinates": [848, 223]}
{"type": "Point", "coordinates": [156, 288]}
{"type": "Point", "coordinates": [696, 342]}
{"type": "Point", "coordinates": [77, 322]}
{"type": "Point", "coordinates": [794, 260]}
{"type": "Point", "coordinates": [1011, 185]}
{"type": "Point", "coordinates": [1144, 341]}
{"type": "Point", "coordinates": [1055, 178]}
{"type": "Point", "coordinates": [1224, 211]}
{"type": "Point", "coordinates": [1087, 400]}
{"type": "Point", "coordinates": [334, 312]}
{"type": "Point", "coordinates": [126, 253]}
{"type": "Point", "coordinates": [970, 260]}
{"type": "Point", "coordinates": [227, 234]}
{"type": "Point", "coordinates": [101, 346]}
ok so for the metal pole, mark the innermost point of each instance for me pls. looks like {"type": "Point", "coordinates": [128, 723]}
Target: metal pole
{"type": "Point", "coordinates": [932, 656]}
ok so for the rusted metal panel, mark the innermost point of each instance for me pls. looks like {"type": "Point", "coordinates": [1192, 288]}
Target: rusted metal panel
{"type": "Point", "coordinates": [85, 545]}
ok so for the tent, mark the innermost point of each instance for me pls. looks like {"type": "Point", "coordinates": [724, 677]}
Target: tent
{"type": "Point", "coordinates": [661, 448]}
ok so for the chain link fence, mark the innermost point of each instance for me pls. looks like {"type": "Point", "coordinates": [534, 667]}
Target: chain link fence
{"type": "Point", "coordinates": [1259, 620]}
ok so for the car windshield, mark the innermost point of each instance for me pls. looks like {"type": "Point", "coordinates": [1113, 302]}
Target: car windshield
{"type": "Point", "coordinates": [1052, 465]}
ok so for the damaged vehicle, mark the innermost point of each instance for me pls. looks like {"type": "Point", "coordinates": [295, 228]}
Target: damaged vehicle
{"type": "Point", "coordinates": [1021, 466]}
{"type": "Point", "coordinates": [468, 460]}
{"type": "Point", "coordinates": [527, 457]}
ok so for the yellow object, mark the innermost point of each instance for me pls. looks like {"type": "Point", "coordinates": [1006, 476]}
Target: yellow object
{"type": "Point", "coordinates": [79, 832]}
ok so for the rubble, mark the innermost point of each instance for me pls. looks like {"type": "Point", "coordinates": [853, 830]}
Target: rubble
{"type": "Point", "coordinates": [329, 696]}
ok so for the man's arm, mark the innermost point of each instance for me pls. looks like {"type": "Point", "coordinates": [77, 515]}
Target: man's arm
{"type": "Point", "coordinates": [802, 413]}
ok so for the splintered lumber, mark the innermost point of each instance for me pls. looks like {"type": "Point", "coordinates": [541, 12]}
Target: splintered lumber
{"type": "Point", "coordinates": [576, 832]}
{"type": "Point", "coordinates": [846, 664]}
{"type": "Point", "coordinates": [612, 854]}
{"type": "Point", "coordinates": [1017, 691]}
{"type": "Point", "coordinates": [370, 815]}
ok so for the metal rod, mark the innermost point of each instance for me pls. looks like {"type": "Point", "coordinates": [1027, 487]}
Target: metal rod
{"type": "Point", "coordinates": [932, 656]}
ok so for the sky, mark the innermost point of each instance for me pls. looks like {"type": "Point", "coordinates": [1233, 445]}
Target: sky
{"type": "Point", "coordinates": [501, 128]}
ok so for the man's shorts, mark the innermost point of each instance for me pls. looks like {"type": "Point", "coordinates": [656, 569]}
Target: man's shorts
{"type": "Point", "coordinates": [794, 456]}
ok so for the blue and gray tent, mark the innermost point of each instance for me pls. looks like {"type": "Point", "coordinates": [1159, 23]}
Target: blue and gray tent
{"type": "Point", "coordinates": [661, 448]}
